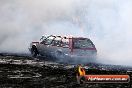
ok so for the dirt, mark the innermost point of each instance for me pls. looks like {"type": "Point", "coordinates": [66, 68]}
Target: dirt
{"type": "Point", "coordinates": [27, 72]}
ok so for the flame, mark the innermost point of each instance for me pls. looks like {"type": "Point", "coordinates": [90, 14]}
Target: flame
{"type": "Point", "coordinates": [81, 71]}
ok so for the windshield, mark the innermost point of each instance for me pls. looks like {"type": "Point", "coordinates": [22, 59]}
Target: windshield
{"type": "Point", "coordinates": [42, 38]}
{"type": "Point", "coordinates": [83, 43]}
{"type": "Point", "coordinates": [49, 40]}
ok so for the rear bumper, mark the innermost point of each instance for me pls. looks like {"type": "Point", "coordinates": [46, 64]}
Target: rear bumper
{"type": "Point", "coordinates": [81, 56]}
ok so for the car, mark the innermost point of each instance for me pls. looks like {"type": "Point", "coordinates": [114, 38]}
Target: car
{"type": "Point", "coordinates": [64, 48]}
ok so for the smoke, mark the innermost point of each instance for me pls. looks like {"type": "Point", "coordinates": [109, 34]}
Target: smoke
{"type": "Point", "coordinates": [111, 25]}
{"type": "Point", "coordinates": [107, 22]}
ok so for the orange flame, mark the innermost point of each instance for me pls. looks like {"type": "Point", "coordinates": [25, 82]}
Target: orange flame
{"type": "Point", "coordinates": [81, 71]}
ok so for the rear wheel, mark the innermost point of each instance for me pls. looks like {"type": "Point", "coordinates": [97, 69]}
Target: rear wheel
{"type": "Point", "coordinates": [59, 55]}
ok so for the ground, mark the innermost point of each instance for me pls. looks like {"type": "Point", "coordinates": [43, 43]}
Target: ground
{"type": "Point", "coordinates": [18, 71]}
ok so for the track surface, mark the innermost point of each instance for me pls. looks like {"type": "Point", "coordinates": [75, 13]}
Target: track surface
{"type": "Point", "coordinates": [22, 71]}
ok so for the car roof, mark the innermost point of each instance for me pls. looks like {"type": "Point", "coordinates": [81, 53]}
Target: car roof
{"type": "Point", "coordinates": [67, 37]}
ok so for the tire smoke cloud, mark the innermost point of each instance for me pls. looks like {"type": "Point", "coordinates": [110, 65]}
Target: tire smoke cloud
{"type": "Point", "coordinates": [107, 23]}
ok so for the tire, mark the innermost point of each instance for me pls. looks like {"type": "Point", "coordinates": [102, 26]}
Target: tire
{"type": "Point", "coordinates": [34, 51]}
{"type": "Point", "coordinates": [59, 55]}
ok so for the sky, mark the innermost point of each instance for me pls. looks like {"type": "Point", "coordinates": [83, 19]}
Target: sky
{"type": "Point", "coordinates": [108, 23]}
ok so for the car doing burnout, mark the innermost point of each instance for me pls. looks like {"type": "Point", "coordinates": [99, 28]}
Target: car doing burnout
{"type": "Point", "coordinates": [61, 47]}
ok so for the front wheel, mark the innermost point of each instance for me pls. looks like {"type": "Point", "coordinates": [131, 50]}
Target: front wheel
{"type": "Point", "coordinates": [34, 51]}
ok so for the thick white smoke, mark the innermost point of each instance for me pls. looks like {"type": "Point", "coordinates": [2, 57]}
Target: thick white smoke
{"type": "Point", "coordinates": [111, 25]}
{"type": "Point", "coordinates": [107, 22]}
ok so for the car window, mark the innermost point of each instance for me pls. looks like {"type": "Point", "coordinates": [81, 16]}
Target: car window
{"type": "Point", "coordinates": [65, 42]}
{"type": "Point", "coordinates": [43, 39]}
{"type": "Point", "coordinates": [83, 43]}
{"type": "Point", "coordinates": [49, 40]}
{"type": "Point", "coordinates": [57, 41]}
